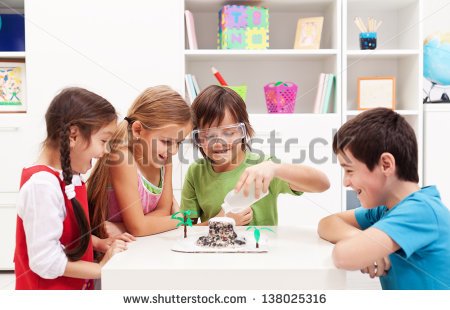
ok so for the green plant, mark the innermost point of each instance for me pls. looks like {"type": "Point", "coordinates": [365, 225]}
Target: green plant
{"type": "Point", "coordinates": [185, 220]}
{"type": "Point", "coordinates": [257, 233]}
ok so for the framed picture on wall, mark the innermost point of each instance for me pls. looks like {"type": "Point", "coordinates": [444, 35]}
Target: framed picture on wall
{"type": "Point", "coordinates": [374, 92]}
{"type": "Point", "coordinates": [13, 86]}
{"type": "Point", "coordinates": [309, 32]}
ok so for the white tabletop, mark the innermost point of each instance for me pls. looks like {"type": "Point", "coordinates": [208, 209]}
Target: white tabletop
{"type": "Point", "coordinates": [296, 259]}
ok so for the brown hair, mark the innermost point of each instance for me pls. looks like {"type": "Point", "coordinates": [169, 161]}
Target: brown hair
{"type": "Point", "coordinates": [156, 107]}
{"type": "Point", "coordinates": [88, 112]}
{"type": "Point", "coordinates": [376, 131]}
{"type": "Point", "coordinates": [212, 103]}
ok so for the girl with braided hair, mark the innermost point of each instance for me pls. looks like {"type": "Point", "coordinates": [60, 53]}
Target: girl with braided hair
{"type": "Point", "coordinates": [54, 248]}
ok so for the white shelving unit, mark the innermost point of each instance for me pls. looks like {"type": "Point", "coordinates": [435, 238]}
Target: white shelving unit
{"type": "Point", "coordinates": [280, 62]}
{"type": "Point", "coordinates": [12, 130]}
{"type": "Point", "coordinates": [398, 53]}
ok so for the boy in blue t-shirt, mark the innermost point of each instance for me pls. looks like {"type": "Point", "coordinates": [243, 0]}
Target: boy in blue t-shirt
{"type": "Point", "coordinates": [402, 232]}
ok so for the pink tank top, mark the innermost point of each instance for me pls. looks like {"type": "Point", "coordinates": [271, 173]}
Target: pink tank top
{"type": "Point", "coordinates": [149, 200]}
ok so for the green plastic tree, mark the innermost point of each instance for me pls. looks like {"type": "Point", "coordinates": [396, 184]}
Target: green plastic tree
{"type": "Point", "coordinates": [257, 233]}
{"type": "Point", "coordinates": [185, 220]}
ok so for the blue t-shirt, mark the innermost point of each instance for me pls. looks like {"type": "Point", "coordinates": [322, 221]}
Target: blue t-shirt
{"type": "Point", "coordinates": [420, 225]}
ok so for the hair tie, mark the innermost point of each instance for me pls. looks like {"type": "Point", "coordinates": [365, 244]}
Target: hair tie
{"type": "Point", "coordinates": [129, 120]}
{"type": "Point", "coordinates": [70, 191]}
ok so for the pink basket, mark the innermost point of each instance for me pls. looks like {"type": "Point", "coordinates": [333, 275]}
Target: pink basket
{"type": "Point", "coordinates": [280, 97]}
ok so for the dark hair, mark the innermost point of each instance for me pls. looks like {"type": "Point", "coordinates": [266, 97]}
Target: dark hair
{"type": "Point", "coordinates": [376, 131]}
{"type": "Point", "coordinates": [89, 112]}
{"type": "Point", "coordinates": [212, 103]}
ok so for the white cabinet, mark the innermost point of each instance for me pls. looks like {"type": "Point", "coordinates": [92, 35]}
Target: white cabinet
{"type": "Point", "coordinates": [113, 49]}
{"type": "Point", "coordinates": [437, 148]}
{"type": "Point", "coordinates": [398, 53]}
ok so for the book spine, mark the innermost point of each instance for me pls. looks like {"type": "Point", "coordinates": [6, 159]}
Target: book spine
{"type": "Point", "coordinates": [329, 88]}
{"type": "Point", "coordinates": [318, 100]}
{"type": "Point", "coordinates": [190, 29]}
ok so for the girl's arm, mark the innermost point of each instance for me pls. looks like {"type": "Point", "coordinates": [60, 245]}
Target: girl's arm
{"type": "Point", "coordinates": [87, 270]}
{"type": "Point", "coordinates": [165, 203]}
{"type": "Point", "coordinates": [124, 179]}
{"type": "Point", "coordinates": [103, 245]}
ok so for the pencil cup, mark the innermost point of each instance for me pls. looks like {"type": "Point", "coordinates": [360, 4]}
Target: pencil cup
{"type": "Point", "coordinates": [368, 40]}
{"type": "Point", "coordinates": [280, 97]}
{"type": "Point", "coordinates": [241, 90]}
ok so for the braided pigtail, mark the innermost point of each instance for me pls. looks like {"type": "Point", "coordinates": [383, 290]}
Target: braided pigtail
{"type": "Point", "coordinates": [74, 252]}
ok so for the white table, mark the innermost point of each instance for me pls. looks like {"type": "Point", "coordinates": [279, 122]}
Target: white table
{"type": "Point", "coordinates": [297, 259]}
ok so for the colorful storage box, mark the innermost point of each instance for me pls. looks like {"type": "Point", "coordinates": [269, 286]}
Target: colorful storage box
{"type": "Point", "coordinates": [280, 97]}
{"type": "Point", "coordinates": [243, 27]}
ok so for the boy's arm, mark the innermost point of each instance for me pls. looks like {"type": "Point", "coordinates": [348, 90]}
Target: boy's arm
{"type": "Point", "coordinates": [339, 226]}
{"type": "Point", "coordinates": [363, 249]}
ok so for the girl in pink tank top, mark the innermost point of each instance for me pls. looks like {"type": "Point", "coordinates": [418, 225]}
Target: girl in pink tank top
{"type": "Point", "coordinates": [143, 145]}
{"type": "Point", "coordinates": [148, 193]}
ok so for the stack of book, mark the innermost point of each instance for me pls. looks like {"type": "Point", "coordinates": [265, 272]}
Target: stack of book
{"type": "Point", "coordinates": [192, 87]}
{"type": "Point", "coordinates": [324, 91]}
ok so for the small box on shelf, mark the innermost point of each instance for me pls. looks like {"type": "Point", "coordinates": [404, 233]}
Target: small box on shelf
{"type": "Point", "coordinates": [243, 27]}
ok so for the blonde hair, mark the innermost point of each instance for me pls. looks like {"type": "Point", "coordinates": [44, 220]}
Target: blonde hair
{"type": "Point", "coordinates": [156, 107]}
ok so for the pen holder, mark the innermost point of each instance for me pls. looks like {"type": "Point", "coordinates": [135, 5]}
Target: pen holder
{"type": "Point", "coordinates": [280, 97]}
{"type": "Point", "coordinates": [241, 90]}
{"type": "Point", "coordinates": [368, 40]}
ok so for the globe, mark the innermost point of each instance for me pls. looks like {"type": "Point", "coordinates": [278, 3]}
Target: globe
{"type": "Point", "coordinates": [436, 61]}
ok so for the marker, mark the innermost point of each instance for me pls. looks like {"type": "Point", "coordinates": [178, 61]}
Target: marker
{"type": "Point", "coordinates": [218, 76]}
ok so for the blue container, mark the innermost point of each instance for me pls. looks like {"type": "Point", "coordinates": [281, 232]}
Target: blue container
{"type": "Point", "coordinates": [368, 40]}
{"type": "Point", "coordinates": [12, 33]}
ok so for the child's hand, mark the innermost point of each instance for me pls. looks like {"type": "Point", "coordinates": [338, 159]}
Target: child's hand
{"type": "Point", "coordinates": [114, 229]}
{"type": "Point", "coordinates": [260, 175]}
{"type": "Point", "coordinates": [242, 218]}
{"type": "Point", "coordinates": [378, 268]}
{"type": "Point", "coordinates": [104, 244]}
{"type": "Point", "coordinates": [116, 247]}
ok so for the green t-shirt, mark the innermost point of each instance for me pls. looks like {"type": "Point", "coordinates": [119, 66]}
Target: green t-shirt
{"type": "Point", "coordinates": [204, 191]}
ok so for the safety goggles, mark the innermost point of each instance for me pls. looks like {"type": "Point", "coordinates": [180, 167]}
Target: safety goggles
{"type": "Point", "coordinates": [225, 134]}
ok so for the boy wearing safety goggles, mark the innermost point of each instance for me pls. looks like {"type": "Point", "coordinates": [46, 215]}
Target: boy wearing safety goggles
{"type": "Point", "coordinates": [221, 134]}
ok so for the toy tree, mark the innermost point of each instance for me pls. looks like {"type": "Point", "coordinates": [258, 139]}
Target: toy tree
{"type": "Point", "coordinates": [257, 233]}
{"type": "Point", "coordinates": [185, 220]}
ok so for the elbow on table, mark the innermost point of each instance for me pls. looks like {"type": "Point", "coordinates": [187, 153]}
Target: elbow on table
{"type": "Point", "coordinates": [323, 227]}
{"type": "Point", "coordinates": [325, 184]}
{"type": "Point", "coordinates": [342, 259]}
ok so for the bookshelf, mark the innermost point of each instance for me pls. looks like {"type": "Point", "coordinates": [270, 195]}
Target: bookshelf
{"type": "Point", "coordinates": [398, 54]}
{"type": "Point", "coordinates": [12, 130]}
{"type": "Point", "coordinates": [280, 62]}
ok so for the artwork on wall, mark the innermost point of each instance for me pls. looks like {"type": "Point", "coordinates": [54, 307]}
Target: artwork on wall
{"type": "Point", "coordinates": [309, 33]}
{"type": "Point", "coordinates": [374, 92]}
{"type": "Point", "coordinates": [13, 86]}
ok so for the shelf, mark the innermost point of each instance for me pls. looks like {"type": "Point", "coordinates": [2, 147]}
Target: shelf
{"type": "Point", "coordinates": [272, 55]}
{"type": "Point", "coordinates": [381, 54]}
{"type": "Point", "coordinates": [12, 4]}
{"type": "Point", "coordinates": [401, 112]}
{"type": "Point", "coordinates": [436, 107]}
{"type": "Point", "coordinates": [279, 5]}
{"type": "Point", "coordinates": [12, 55]}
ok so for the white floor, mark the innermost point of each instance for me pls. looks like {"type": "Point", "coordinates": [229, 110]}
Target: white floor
{"type": "Point", "coordinates": [355, 281]}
